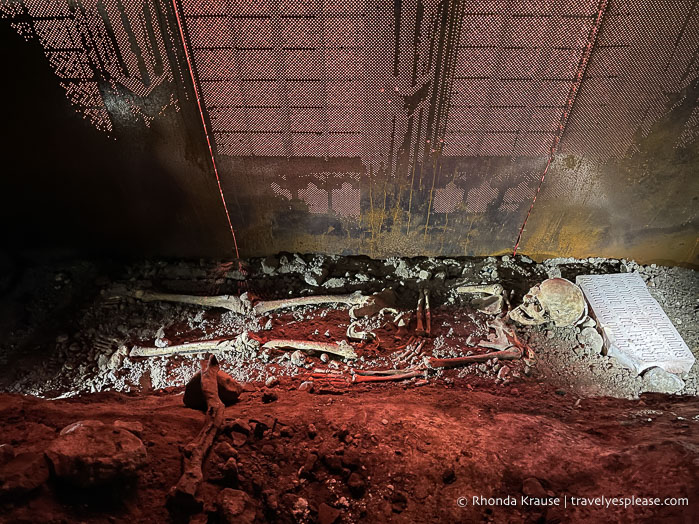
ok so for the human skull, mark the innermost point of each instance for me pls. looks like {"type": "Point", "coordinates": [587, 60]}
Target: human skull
{"type": "Point", "coordinates": [555, 300]}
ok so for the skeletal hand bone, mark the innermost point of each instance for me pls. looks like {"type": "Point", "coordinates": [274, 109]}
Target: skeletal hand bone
{"type": "Point", "coordinates": [341, 349]}
{"type": "Point", "coordinates": [500, 340]}
{"type": "Point", "coordinates": [355, 333]}
{"type": "Point", "coordinates": [555, 300]}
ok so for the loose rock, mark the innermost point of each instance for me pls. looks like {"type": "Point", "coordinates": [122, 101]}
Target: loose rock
{"type": "Point", "coordinates": [236, 507]}
{"type": "Point", "coordinates": [298, 358]}
{"type": "Point", "coordinates": [591, 339]}
{"type": "Point", "coordinates": [90, 453]}
{"type": "Point", "coordinates": [133, 426]}
{"type": "Point", "coordinates": [533, 488]}
{"type": "Point", "coordinates": [23, 474]}
{"type": "Point", "coordinates": [657, 380]}
{"type": "Point", "coordinates": [327, 514]}
{"type": "Point", "coordinates": [356, 485]}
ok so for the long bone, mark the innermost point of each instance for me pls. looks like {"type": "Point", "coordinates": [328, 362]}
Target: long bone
{"type": "Point", "coordinates": [507, 354]}
{"type": "Point", "coordinates": [389, 375]}
{"type": "Point", "coordinates": [243, 305]}
{"type": "Point", "coordinates": [201, 346]}
{"type": "Point", "coordinates": [428, 313]}
{"type": "Point", "coordinates": [420, 328]}
{"type": "Point", "coordinates": [342, 349]}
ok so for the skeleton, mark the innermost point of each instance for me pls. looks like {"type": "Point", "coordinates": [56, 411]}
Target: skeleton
{"type": "Point", "coordinates": [555, 300]}
{"type": "Point", "coordinates": [490, 299]}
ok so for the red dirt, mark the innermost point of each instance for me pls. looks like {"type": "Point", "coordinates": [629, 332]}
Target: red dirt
{"type": "Point", "coordinates": [417, 450]}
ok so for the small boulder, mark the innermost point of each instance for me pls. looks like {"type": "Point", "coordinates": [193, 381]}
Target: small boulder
{"type": "Point", "coordinates": [7, 453]}
{"type": "Point", "coordinates": [448, 476]}
{"type": "Point", "coordinates": [90, 453]}
{"type": "Point", "coordinates": [351, 459]}
{"type": "Point", "coordinates": [316, 276]}
{"type": "Point", "coordinates": [238, 425]}
{"type": "Point", "coordinates": [225, 450]}
{"type": "Point", "coordinates": [230, 470]}
{"type": "Point", "coordinates": [327, 514]}
{"type": "Point", "coordinates": [133, 426]}
{"type": "Point", "coordinates": [657, 380]}
{"type": "Point", "coordinates": [298, 358]}
{"type": "Point", "coordinates": [23, 474]}
{"type": "Point", "coordinates": [269, 396]}
{"type": "Point", "coordinates": [235, 507]}
{"type": "Point", "coordinates": [309, 465]}
{"type": "Point", "coordinates": [270, 265]}
{"type": "Point", "coordinates": [300, 509]}
{"type": "Point", "coordinates": [531, 487]}
{"type": "Point", "coordinates": [591, 339]}
{"type": "Point", "coordinates": [312, 431]}
{"type": "Point", "coordinates": [399, 502]}
{"type": "Point", "coordinates": [356, 485]}
{"type": "Point", "coordinates": [306, 386]}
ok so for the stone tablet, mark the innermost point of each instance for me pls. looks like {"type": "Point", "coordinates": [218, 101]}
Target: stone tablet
{"type": "Point", "coordinates": [635, 328]}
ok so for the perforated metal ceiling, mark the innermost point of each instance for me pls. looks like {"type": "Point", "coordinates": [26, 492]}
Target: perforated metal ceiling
{"type": "Point", "coordinates": [379, 79]}
{"type": "Point", "coordinates": [411, 88]}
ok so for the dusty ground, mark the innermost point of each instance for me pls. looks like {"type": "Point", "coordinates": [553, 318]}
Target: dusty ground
{"type": "Point", "coordinates": [416, 452]}
{"type": "Point", "coordinates": [565, 423]}
{"type": "Point", "coordinates": [64, 333]}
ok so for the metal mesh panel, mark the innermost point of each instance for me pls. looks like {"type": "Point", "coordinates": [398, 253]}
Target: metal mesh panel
{"type": "Point", "coordinates": [438, 106]}
{"type": "Point", "coordinates": [109, 55]}
{"type": "Point", "coordinates": [352, 78]}
{"type": "Point", "coordinates": [646, 54]}
{"type": "Point", "coordinates": [326, 192]}
{"type": "Point", "coordinates": [357, 78]}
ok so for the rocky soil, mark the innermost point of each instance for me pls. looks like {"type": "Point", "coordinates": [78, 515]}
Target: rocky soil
{"type": "Point", "coordinates": [373, 453]}
{"type": "Point", "coordinates": [68, 324]}
{"type": "Point", "coordinates": [308, 441]}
